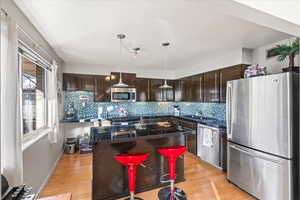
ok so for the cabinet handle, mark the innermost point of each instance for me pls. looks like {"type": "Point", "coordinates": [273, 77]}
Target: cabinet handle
{"type": "Point", "coordinates": [201, 89]}
{"type": "Point", "coordinates": [221, 90]}
{"type": "Point", "coordinates": [216, 87]}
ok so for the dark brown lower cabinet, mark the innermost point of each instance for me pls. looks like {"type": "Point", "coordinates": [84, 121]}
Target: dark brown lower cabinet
{"type": "Point", "coordinates": [191, 143]}
{"type": "Point", "coordinates": [190, 140]}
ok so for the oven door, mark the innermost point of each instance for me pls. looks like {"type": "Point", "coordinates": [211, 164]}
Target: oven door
{"type": "Point", "coordinates": [123, 95]}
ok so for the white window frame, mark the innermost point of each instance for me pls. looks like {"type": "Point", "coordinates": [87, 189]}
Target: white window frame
{"type": "Point", "coordinates": [29, 54]}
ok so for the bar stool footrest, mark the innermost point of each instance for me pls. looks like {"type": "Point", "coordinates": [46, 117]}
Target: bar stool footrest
{"type": "Point", "coordinates": [165, 194]}
{"type": "Point", "coordinates": [135, 198]}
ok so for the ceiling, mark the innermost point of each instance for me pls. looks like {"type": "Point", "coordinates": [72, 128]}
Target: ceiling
{"type": "Point", "coordinates": [84, 31]}
{"type": "Point", "coordinates": [285, 9]}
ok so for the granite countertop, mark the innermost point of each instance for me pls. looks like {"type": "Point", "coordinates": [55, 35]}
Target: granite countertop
{"type": "Point", "coordinates": [193, 118]}
{"type": "Point", "coordinates": [138, 131]}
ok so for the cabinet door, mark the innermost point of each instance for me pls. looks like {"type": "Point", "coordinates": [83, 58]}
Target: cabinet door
{"type": "Point", "coordinates": [70, 82]}
{"type": "Point", "coordinates": [86, 83]}
{"type": "Point", "coordinates": [127, 78]}
{"type": "Point", "coordinates": [168, 94]}
{"type": "Point", "coordinates": [201, 88]}
{"type": "Point", "coordinates": [142, 89]}
{"type": "Point", "coordinates": [155, 91]}
{"type": "Point", "coordinates": [177, 90]}
{"type": "Point", "coordinates": [197, 88]}
{"type": "Point", "coordinates": [102, 89]}
{"type": "Point", "coordinates": [228, 74]}
{"type": "Point", "coordinates": [186, 89]}
{"type": "Point", "coordinates": [212, 86]}
{"type": "Point", "coordinates": [191, 142]}
{"type": "Point", "coordinates": [188, 124]}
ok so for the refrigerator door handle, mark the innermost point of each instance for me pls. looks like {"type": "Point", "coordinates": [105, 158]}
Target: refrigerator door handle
{"type": "Point", "coordinates": [228, 109]}
{"type": "Point", "coordinates": [256, 155]}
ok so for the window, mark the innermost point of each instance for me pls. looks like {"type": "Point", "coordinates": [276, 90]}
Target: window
{"type": "Point", "coordinates": [33, 96]}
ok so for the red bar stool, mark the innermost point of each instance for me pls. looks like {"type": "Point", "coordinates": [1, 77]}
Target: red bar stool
{"type": "Point", "coordinates": [131, 161]}
{"type": "Point", "coordinates": [171, 192]}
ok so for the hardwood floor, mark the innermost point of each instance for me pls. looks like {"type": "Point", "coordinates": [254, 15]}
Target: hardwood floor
{"type": "Point", "coordinates": [203, 182]}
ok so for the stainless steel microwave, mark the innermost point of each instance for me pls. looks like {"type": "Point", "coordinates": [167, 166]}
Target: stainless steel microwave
{"type": "Point", "coordinates": [123, 94]}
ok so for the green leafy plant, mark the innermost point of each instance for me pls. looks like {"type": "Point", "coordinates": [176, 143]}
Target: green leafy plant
{"type": "Point", "coordinates": [283, 51]}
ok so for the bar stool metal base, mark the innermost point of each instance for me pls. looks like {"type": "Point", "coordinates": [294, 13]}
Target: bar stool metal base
{"type": "Point", "coordinates": [165, 194]}
{"type": "Point", "coordinates": [135, 198]}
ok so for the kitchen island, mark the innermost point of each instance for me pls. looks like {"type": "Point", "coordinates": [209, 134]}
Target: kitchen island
{"type": "Point", "coordinates": [110, 177]}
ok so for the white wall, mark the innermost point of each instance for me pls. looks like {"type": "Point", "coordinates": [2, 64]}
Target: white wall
{"type": "Point", "coordinates": [204, 63]}
{"type": "Point", "coordinates": [273, 66]}
{"type": "Point", "coordinates": [201, 63]}
{"type": "Point", "coordinates": [40, 157]}
{"type": "Point", "coordinates": [81, 68]}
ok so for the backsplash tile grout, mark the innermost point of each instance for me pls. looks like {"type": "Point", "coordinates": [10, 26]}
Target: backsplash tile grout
{"type": "Point", "coordinates": [90, 109]}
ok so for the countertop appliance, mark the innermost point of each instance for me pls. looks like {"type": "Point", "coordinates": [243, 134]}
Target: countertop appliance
{"type": "Point", "coordinates": [211, 145]}
{"type": "Point", "coordinates": [176, 110]}
{"type": "Point", "coordinates": [122, 94]}
{"type": "Point", "coordinates": [21, 192]}
{"type": "Point", "coordinates": [70, 113]}
{"type": "Point", "coordinates": [262, 132]}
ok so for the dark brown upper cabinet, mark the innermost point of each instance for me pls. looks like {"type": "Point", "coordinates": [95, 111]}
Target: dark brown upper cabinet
{"type": "Point", "coordinates": [127, 78]}
{"type": "Point", "coordinates": [102, 88]}
{"type": "Point", "coordinates": [78, 82]}
{"type": "Point", "coordinates": [87, 83]}
{"type": "Point", "coordinates": [211, 84]}
{"type": "Point", "coordinates": [228, 74]}
{"type": "Point", "coordinates": [186, 89]}
{"type": "Point", "coordinates": [168, 93]}
{"type": "Point", "coordinates": [70, 82]}
{"type": "Point", "coordinates": [197, 88]}
{"type": "Point", "coordinates": [177, 90]}
{"type": "Point", "coordinates": [155, 92]}
{"type": "Point", "coordinates": [142, 89]}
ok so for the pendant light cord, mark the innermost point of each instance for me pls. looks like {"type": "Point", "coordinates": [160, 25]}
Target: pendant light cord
{"type": "Point", "coordinates": [120, 79]}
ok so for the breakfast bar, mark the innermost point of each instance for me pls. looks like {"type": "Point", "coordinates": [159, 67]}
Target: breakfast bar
{"type": "Point", "coordinates": [110, 179]}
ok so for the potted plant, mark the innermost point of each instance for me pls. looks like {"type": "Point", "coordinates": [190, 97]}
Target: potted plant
{"type": "Point", "coordinates": [284, 51]}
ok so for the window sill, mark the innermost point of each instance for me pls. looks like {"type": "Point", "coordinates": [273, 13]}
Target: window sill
{"type": "Point", "coordinates": [32, 138]}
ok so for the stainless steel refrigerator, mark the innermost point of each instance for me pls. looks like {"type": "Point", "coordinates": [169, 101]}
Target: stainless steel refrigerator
{"type": "Point", "coordinates": [262, 135]}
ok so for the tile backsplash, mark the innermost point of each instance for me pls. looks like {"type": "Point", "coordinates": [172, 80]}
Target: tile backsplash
{"type": "Point", "coordinates": [89, 109]}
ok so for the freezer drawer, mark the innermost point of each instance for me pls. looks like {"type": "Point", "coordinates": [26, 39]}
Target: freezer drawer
{"type": "Point", "coordinates": [264, 176]}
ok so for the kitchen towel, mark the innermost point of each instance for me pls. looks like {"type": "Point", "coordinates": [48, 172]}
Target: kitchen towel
{"type": "Point", "coordinates": [207, 137]}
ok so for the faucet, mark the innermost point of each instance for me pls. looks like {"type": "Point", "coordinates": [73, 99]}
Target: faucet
{"type": "Point", "coordinates": [141, 120]}
{"type": "Point", "coordinates": [199, 114]}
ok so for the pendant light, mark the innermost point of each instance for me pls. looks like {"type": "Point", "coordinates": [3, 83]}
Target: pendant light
{"type": "Point", "coordinates": [165, 85]}
{"type": "Point", "coordinates": [120, 84]}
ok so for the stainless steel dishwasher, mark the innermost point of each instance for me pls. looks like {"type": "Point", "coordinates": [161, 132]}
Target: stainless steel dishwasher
{"type": "Point", "coordinates": [211, 145]}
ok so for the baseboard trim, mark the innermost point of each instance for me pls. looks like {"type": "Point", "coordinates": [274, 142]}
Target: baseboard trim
{"type": "Point", "coordinates": [49, 175]}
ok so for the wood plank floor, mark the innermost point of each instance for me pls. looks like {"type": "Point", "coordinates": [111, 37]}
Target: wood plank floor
{"type": "Point", "coordinates": [203, 182]}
